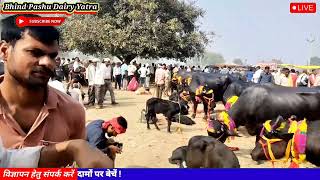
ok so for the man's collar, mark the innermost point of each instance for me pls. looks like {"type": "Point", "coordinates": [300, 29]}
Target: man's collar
{"type": "Point", "coordinates": [52, 99]}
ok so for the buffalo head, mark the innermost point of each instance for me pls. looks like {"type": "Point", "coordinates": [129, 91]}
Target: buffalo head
{"type": "Point", "coordinates": [276, 133]}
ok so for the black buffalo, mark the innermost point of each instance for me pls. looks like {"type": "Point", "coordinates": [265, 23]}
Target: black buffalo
{"type": "Point", "coordinates": [167, 108]}
{"type": "Point", "coordinates": [206, 152]}
{"type": "Point", "coordinates": [220, 131]}
{"type": "Point", "coordinates": [235, 89]}
{"type": "Point", "coordinates": [263, 102]}
{"type": "Point", "coordinates": [183, 119]}
{"type": "Point", "coordinates": [312, 150]}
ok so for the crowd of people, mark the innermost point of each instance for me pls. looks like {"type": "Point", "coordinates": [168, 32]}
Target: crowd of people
{"type": "Point", "coordinates": [285, 77]}
{"type": "Point", "coordinates": [100, 75]}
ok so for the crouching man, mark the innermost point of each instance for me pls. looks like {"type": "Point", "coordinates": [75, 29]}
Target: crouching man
{"type": "Point", "coordinates": [99, 133]}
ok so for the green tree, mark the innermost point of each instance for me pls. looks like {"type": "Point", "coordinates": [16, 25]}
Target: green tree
{"type": "Point", "coordinates": [238, 61]}
{"type": "Point", "coordinates": [315, 61]}
{"type": "Point", "coordinates": [130, 28]}
{"type": "Point", "coordinates": [210, 58]}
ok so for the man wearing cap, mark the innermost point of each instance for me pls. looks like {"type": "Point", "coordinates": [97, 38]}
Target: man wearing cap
{"type": "Point", "coordinates": [99, 133]}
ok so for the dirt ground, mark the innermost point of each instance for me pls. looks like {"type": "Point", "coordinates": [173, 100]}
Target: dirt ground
{"type": "Point", "coordinates": [145, 148]}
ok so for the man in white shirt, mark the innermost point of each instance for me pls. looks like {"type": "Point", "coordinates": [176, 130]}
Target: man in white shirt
{"type": "Point", "coordinates": [90, 76]}
{"type": "Point", "coordinates": [99, 83]}
{"type": "Point", "coordinates": [160, 80]}
{"type": "Point", "coordinates": [143, 71]}
{"type": "Point", "coordinates": [49, 156]}
{"type": "Point", "coordinates": [55, 83]}
{"type": "Point", "coordinates": [108, 82]}
{"type": "Point", "coordinates": [117, 74]}
{"type": "Point", "coordinates": [124, 69]}
{"type": "Point", "coordinates": [257, 75]}
{"type": "Point", "coordinates": [131, 71]}
{"type": "Point", "coordinates": [76, 63]}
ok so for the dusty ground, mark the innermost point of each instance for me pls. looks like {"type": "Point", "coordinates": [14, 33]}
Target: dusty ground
{"type": "Point", "coordinates": [145, 148]}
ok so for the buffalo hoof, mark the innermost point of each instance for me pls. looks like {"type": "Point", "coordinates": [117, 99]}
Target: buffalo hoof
{"type": "Point", "coordinates": [234, 148]}
{"type": "Point", "coordinates": [193, 116]}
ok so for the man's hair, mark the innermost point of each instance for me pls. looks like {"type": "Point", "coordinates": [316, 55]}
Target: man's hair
{"type": "Point", "coordinates": [123, 122]}
{"type": "Point", "coordinates": [11, 33]}
{"type": "Point", "coordinates": [293, 71]}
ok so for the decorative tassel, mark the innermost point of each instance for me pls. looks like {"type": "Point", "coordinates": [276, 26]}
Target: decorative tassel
{"type": "Point", "coordinates": [294, 165]}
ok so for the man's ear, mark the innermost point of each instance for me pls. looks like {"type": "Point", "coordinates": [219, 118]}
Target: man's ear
{"type": "Point", "coordinates": [4, 48]}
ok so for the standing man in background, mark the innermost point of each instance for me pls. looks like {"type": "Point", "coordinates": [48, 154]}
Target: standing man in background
{"type": "Point", "coordinates": [99, 83]}
{"type": "Point", "coordinates": [160, 80]}
{"type": "Point", "coordinates": [117, 75]}
{"type": "Point", "coordinates": [131, 70]}
{"type": "Point", "coordinates": [90, 76]}
{"type": "Point", "coordinates": [124, 69]}
{"type": "Point", "coordinates": [266, 76]}
{"type": "Point", "coordinates": [143, 74]}
{"type": "Point", "coordinates": [108, 82]}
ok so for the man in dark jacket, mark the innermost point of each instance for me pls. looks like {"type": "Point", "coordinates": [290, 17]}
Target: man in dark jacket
{"type": "Point", "coordinates": [266, 76]}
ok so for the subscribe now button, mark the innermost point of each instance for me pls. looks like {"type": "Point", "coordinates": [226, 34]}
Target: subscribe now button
{"type": "Point", "coordinates": [303, 7]}
{"type": "Point", "coordinates": [39, 21]}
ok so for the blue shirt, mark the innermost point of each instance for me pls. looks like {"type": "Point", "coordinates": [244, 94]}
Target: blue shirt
{"type": "Point", "coordinates": [95, 135]}
{"type": "Point", "coordinates": [249, 75]}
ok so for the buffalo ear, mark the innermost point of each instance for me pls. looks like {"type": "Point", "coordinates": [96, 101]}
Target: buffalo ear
{"type": "Point", "coordinates": [278, 122]}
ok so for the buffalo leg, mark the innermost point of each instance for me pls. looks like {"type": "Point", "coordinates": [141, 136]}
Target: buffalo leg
{"type": "Point", "coordinates": [147, 119]}
{"type": "Point", "coordinates": [205, 109]}
{"type": "Point", "coordinates": [195, 106]}
{"type": "Point", "coordinates": [155, 123]}
{"type": "Point", "coordinates": [169, 125]}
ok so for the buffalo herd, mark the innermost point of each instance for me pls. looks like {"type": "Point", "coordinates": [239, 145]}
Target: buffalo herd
{"type": "Point", "coordinates": [256, 104]}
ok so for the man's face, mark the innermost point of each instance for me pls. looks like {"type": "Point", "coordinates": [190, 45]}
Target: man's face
{"type": "Point", "coordinates": [58, 62]}
{"type": "Point", "coordinates": [30, 62]}
{"type": "Point", "coordinates": [111, 131]}
{"type": "Point", "coordinates": [286, 73]}
{"type": "Point", "coordinates": [267, 70]}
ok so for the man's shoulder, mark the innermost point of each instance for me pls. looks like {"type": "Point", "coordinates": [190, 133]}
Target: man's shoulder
{"type": "Point", "coordinates": [64, 101]}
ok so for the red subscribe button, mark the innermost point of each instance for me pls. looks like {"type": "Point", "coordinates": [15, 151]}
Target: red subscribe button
{"type": "Point", "coordinates": [303, 7]}
{"type": "Point", "coordinates": [22, 21]}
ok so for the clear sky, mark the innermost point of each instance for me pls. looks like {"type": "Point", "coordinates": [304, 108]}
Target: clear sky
{"type": "Point", "coordinates": [261, 30]}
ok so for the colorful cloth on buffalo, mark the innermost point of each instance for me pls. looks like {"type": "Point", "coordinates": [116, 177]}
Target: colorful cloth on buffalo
{"type": "Point", "coordinates": [299, 140]}
{"type": "Point", "coordinates": [229, 122]}
{"type": "Point", "coordinates": [297, 145]}
{"type": "Point", "coordinates": [230, 102]}
{"type": "Point", "coordinates": [199, 90]}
